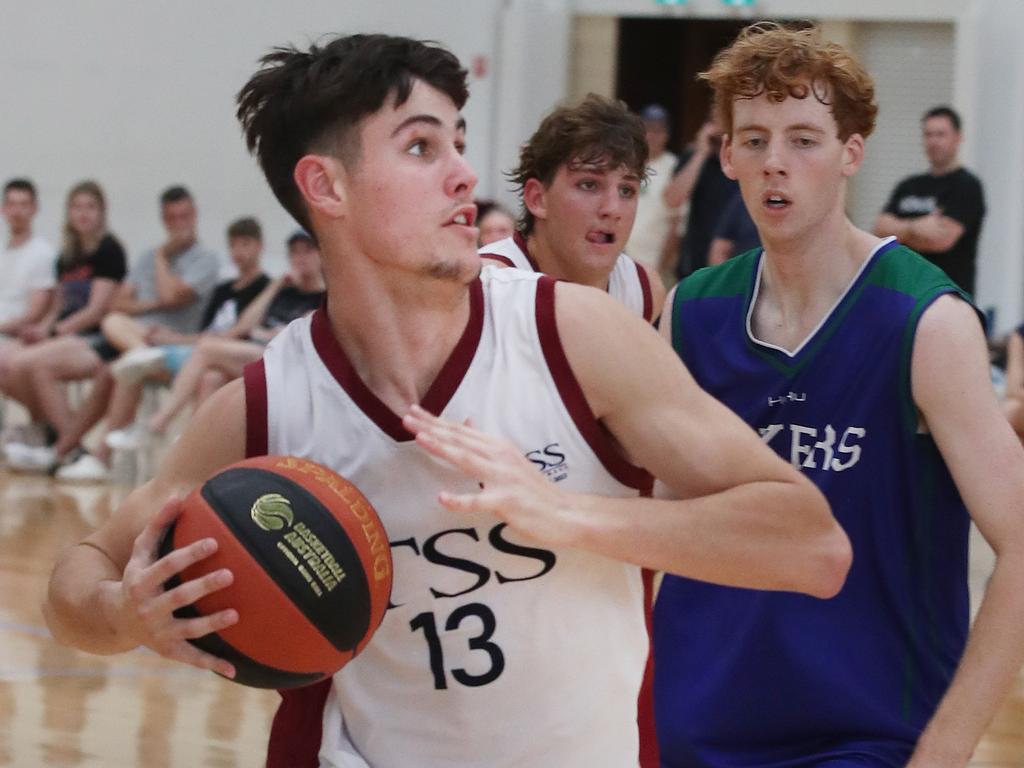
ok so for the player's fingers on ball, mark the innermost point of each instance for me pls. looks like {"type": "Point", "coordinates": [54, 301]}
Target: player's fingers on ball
{"type": "Point", "coordinates": [147, 541]}
{"type": "Point", "coordinates": [188, 629]}
{"type": "Point", "coordinates": [189, 654]}
{"type": "Point", "coordinates": [196, 589]}
{"type": "Point", "coordinates": [180, 559]}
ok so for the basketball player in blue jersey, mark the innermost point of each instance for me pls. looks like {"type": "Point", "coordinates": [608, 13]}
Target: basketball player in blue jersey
{"type": "Point", "coordinates": [864, 366]}
{"type": "Point", "coordinates": [579, 179]}
{"type": "Point", "coordinates": [516, 633]}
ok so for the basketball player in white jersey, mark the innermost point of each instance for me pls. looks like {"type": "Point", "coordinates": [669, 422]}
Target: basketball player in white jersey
{"type": "Point", "coordinates": [516, 633]}
{"type": "Point", "coordinates": [579, 179]}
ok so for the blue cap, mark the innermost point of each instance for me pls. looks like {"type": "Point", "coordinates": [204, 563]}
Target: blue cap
{"type": "Point", "coordinates": [300, 234]}
{"type": "Point", "coordinates": [654, 113]}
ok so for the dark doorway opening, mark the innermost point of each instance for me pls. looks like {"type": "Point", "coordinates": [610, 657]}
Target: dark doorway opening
{"type": "Point", "coordinates": [658, 63]}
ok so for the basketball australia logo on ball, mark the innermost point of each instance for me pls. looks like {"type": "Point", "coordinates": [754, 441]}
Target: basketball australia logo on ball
{"type": "Point", "coordinates": [311, 562]}
{"type": "Point", "coordinates": [302, 547]}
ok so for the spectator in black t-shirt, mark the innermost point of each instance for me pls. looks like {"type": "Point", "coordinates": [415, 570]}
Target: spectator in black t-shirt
{"type": "Point", "coordinates": [117, 389]}
{"type": "Point", "coordinates": [165, 349]}
{"type": "Point", "coordinates": [699, 180]}
{"type": "Point", "coordinates": [735, 232]}
{"type": "Point", "coordinates": [293, 295]}
{"type": "Point", "coordinates": [90, 268]}
{"type": "Point", "coordinates": [939, 213]}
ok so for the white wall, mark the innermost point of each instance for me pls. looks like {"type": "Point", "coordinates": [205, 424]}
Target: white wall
{"type": "Point", "coordinates": [141, 95]}
{"type": "Point", "coordinates": [912, 64]}
{"type": "Point", "coordinates": [995, 60]}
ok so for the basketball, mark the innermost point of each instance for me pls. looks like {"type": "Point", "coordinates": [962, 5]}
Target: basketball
{"type": "Point", "coordinates": [311, 565]}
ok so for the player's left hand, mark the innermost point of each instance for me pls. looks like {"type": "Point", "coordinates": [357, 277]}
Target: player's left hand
{"type": "Point", "coordinates": [512, 489]}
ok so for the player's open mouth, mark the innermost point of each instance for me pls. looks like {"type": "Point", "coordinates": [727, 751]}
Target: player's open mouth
{"type": "Point", "coordinates": [775, 202]}
{"type": "Point", "coordinates": [600, 237]}
{"type": "Point", "coordinates": [465, 216]}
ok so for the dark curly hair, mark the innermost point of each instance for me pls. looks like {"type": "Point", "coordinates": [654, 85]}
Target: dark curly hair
{"type": "Point", "coordinates": [311, 101]}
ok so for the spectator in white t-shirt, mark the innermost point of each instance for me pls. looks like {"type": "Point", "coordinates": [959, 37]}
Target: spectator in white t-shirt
{"type": "Point", "coordinates": [655, 221]}
{"type": "Point", "coordinates": [27, 262]}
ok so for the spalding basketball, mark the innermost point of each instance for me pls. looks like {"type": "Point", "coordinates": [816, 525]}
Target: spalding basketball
{"type": "Point", "coordinates": [311, 565]}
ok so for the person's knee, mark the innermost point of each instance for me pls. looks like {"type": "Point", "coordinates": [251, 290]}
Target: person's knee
{"type": "Point", "coordinates": [114, 323]}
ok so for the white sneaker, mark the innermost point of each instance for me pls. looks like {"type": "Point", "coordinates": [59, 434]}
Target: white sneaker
{"type": "Point", "coordinates": [137, 364]}
{"type": "Point", "coordinates": [29, 458]}
{"type": "Point", "coordinates": [33, 434]}
{"type": "Point", "coordinates": [85, 469]}
{"type": "Point", "coordinates": [128, 439]}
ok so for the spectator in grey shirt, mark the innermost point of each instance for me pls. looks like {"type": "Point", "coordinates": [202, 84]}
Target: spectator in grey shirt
{"type": "Point", "coordinates": [168, 286]}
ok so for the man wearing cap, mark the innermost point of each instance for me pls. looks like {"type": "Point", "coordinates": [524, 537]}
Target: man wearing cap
{"type": "Point", "coordinates": [655, 221]}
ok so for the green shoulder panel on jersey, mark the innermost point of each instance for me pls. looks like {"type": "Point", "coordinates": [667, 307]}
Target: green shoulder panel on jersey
{"type": "Point", "coordinates": [901, 269]}
{"type": "Point", "coordinates": [904, 270]}
{"type": "Point", "coordinates": [733, 278]}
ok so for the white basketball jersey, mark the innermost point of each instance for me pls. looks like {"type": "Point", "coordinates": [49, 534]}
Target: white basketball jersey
{"type": "Point", "coordinates": [496, 651]}
{"type": "Point", "coordinates": [628, 282]}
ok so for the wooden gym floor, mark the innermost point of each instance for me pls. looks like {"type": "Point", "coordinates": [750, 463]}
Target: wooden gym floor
{"type": "Point", "coordinates": [59, 707]}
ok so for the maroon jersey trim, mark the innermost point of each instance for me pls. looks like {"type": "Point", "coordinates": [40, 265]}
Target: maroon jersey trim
{"type": "Point", "coordinates": [645, 287]}
{"type": "Point", "coordinates": [593, 431]}
{"type": "Point", "coordinates": [649, 756]}
{"type": "Point", "coordinates": [520, 242]}
{"type": "Point", "coordinates": [440, 392]}
{"type": "Point", "coordinates": [498, 257]}
{"type": "Point", "coordinates": [298, 726]}
{"type": "Point", "coordinates": [254, 376]}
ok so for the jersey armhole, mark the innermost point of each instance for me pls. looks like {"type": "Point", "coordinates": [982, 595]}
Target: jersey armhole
{"type": "Point", "coordinates": [254, 376]}
{"type": "Point", "coordinates": [909, 407]}
{"type": "Point", "coordinates": [571, 393]}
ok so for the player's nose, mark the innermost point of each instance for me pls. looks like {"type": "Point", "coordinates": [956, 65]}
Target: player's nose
{"type": "Point", "coordinates": [462, 178]}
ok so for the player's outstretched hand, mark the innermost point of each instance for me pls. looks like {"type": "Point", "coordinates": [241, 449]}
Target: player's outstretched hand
{"type": "Point", "coordinates": [143, 610]}
{"type": "Point", "coordinates": [511, 487]}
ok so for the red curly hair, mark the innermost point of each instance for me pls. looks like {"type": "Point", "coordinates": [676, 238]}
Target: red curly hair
{"type": "Point", "coordinates": [768, 58]}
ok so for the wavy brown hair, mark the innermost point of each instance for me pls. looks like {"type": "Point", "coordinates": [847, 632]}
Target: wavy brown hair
{"type": "Point", "coordinates": [781, 62]}
{"type": "Point", "coordinates": [73, 250]}
{"type": "Point", "coordinates": [598, 132]}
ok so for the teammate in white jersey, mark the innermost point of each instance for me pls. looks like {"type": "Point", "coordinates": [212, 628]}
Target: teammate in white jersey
{"type": "Point", "coordinates": [362, 141]}
{"type": "Point", "coordinates": [579, 179]}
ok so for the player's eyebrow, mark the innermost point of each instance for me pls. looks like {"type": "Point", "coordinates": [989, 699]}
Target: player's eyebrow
{"type": "Point", "coordinates": [427, 119]}
{"type": "Point", "coordinates": [797, 127]}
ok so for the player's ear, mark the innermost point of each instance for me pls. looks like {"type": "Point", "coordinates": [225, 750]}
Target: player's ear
{"type": "Point", "coordinates": [320, 180]}
{"type": "Point", "coordinates": [725, 156]}
{"type": "Point", "coordinates": [535, 198]}
{"type": "Point", "coordinates": [853, 154]}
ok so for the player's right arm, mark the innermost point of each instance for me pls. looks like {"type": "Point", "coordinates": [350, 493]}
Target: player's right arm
{"type": "Point", "coordinates": [740, 515]}
{"type": "Point", "coordinates": [106, 593]}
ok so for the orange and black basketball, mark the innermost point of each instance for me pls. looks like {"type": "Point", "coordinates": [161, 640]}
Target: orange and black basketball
{"type": "Point", "coordinates": [311, 565]}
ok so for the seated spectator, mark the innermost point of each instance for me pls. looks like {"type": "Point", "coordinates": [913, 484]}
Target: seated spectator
{"type": "Point", "coordinates": [294, 295]}
{"type": "Point", "coordinates": [27, 261]}
{"type": "Point", "coordinates": [168, 286]}
{"type": "Point", "coordinates": [165, 349]}
{"type": "Point", "coordinates": [734, 233]}
{"type": "Point", "coordinates": [117, 390]}
{"type": "Point", "coordinates": [63, 343]}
